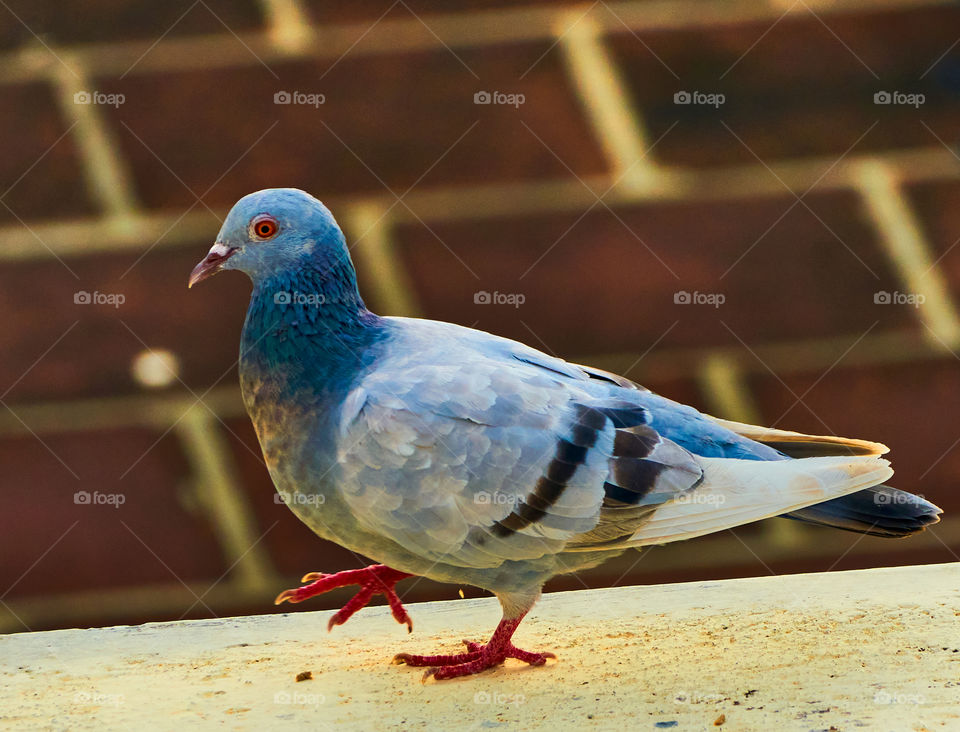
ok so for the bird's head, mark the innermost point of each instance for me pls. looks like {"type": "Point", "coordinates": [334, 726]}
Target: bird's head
{"type": "Point", "coordinates": [274, 231]}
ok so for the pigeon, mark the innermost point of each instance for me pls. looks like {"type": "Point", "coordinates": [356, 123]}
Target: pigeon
{"type": "Point", "coordinates": [447, 452]}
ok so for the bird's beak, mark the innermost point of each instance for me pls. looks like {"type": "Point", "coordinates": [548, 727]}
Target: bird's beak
{"type": "Point", "coordinates": [211, 264]}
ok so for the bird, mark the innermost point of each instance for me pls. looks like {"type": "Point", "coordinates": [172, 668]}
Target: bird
{"type": "Point", "coordinates": [447, 452]}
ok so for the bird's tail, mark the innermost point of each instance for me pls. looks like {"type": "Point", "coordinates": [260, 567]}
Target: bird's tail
{"type": "Point", "coordinates": [877, 511]}
{"type": "Point", "coordinates": [735, 492]}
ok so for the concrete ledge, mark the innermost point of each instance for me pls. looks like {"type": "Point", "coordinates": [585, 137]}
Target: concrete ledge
{"type": "Point", "coordinates": [878, 649]}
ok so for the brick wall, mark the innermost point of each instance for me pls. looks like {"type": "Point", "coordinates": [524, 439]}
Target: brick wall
{"type": "Point", "coordinates": [785, 193]}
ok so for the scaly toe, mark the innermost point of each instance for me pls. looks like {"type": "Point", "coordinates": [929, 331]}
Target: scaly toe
{"type": "Point", "coordinates": [534, 659]}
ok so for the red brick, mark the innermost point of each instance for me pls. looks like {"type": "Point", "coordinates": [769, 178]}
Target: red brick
{"type": "Point", "coordinates": [799, 91]}
{"type": "Point", "coordinates": [598, 289]}
{"type": "Point", "coordinates": [399, 114]}
{"type": "Point", "coordinates": [99, 551]}
{"type": "Point", "coordinates": [344, 11]}
{"type": "Point", "coordinates": [201, 326]}
{"type": "Point", "coordinates": [84, 21]}
{"type": "Point", "coordinates": [31, 124]}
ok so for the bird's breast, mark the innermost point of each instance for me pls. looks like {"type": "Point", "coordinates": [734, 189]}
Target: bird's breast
{"type": "Point", "coordinates": [293, 427]}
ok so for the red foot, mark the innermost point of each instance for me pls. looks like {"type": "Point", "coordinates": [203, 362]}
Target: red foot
{"type": "Point", "coordinates": [479, 657]}
{"type": "Point", "coordinates": [375, 579]}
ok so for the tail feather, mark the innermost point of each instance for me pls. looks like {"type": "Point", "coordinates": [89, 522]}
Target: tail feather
{"type": "Point", "coordinates": [735, 492]}
{"type": "Point", "coordinates": [877, 511]}
{"type": "Point", "coordinates": [800, 445]}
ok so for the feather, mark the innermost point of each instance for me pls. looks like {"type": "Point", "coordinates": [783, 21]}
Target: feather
{"type": "Point", "coordinates": [735, 492]}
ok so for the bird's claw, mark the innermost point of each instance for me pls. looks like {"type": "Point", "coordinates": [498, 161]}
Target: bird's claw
{"type": "Point", "coordinates": [479, 657]}
{"type": "Point", "coordinates": [375, 579]}
{"type": "Point", "coordinates": [286, 596]}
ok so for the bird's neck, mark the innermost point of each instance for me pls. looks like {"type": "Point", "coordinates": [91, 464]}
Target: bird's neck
{"type": "Point", "coordinates": [308, 325]}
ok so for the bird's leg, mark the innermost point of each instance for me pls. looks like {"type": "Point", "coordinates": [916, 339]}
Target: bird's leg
{"type": "Point", "coordinates": [478, 657]}
{"type": "Point", "coordinates": [375, 579]}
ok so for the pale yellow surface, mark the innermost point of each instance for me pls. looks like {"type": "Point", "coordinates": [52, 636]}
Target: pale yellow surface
{"type": "Point", "coordinates": [875, 649]}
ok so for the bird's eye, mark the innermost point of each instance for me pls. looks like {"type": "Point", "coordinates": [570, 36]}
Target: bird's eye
{"type": "Point", "coordinates": [264, 227]}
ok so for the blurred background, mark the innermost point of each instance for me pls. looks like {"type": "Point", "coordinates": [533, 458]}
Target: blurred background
{"type": "Point", "coordinates": [750, 207]}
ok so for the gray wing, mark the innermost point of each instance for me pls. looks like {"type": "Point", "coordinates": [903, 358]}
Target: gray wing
{"type": "Point", "coordinates": [473, 458]}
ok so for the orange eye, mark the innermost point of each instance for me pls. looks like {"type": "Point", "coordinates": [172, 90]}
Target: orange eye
{"type": "Point", "coordinates": [264, 227]}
